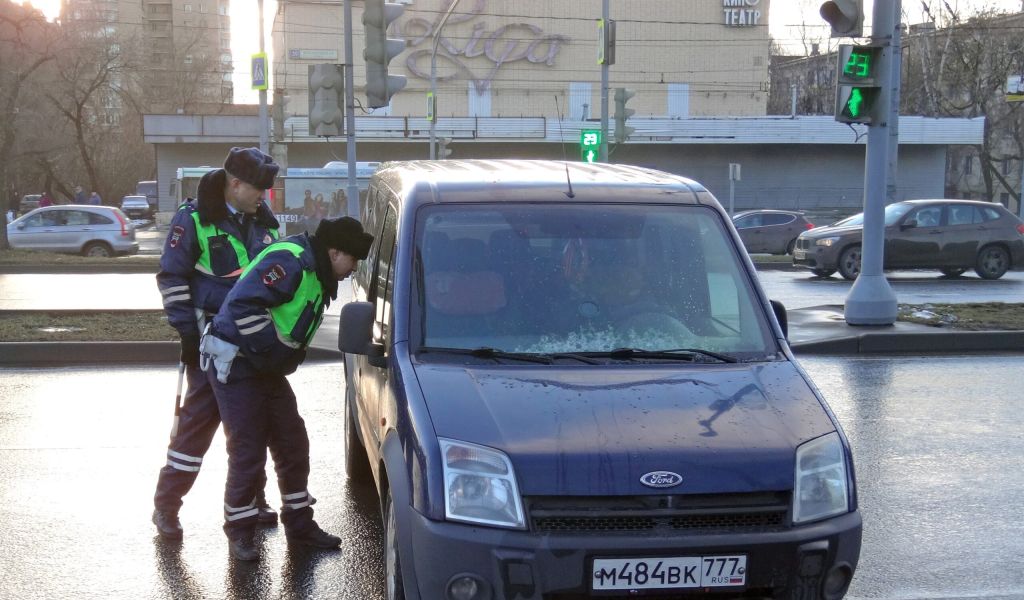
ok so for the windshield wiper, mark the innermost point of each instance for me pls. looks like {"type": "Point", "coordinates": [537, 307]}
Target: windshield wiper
{"type": "Point", "coordinates": [673, 353]}
{"type": "Point", "coordinates": [486, 352]}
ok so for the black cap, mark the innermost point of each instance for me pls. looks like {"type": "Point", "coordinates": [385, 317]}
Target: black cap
{"type": "Point", "coordinates": [251, 166]}
{"type": "Point", "coordinates": [345, 234]}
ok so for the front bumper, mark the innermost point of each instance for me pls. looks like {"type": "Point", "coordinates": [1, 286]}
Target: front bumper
{"type": "Point", "coordinates": [791, 563]}
{"type": "Point", "coordinates": [815, 257]}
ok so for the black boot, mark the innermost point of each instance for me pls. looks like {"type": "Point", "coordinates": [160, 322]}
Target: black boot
{"type": "Point", "coordinates": [313, 537]}
{"type": "Point", "coordinates": [267, 516]}
{"type": "Point", "coordinates": [243, 548]}
{"type": "Point", "coordinates": [167, 524]}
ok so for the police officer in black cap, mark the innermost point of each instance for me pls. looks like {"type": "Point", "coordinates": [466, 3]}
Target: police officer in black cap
{"type": "Point", "coordinates": [209, 242]}
{"type": "Point", "coordinates": [259, 336]}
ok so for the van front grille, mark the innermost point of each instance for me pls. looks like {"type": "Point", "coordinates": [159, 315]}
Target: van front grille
{"type": "Point", "coordinates": [668, 515]}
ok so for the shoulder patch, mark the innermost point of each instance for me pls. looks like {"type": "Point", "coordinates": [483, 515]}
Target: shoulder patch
{"type": "Point", "coordinates": [275, 274]}
{"type": "Point", "coordinates": [267, 239]}
{"type": "Point", "coordinates": [176, 234]}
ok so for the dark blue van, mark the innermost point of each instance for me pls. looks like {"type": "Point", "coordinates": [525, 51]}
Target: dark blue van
{"type": "Point", "coordinates": [566, 382]}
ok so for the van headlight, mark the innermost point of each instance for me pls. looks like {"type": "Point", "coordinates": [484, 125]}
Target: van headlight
{"type": "Point", "coordinates": [822, 487]}
{"type": "Point", "coordinates": [826, 241]}
{"type": "Point", "coordinates": [480, 486]}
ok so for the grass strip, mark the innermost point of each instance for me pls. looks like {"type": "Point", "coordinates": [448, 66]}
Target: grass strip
{"type": "Point", "coordinates": [69, 326]}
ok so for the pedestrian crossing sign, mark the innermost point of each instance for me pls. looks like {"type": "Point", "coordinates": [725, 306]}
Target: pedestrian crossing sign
{"type": "Point", "coordinates": [259, 71]}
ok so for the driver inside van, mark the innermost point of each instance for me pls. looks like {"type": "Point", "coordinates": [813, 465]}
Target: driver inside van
{"type": "Point", "coordinates": [608, 290]}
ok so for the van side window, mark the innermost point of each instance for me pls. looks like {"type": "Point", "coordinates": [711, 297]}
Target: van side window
{"type": "Point", "coordinates": [383, 278]}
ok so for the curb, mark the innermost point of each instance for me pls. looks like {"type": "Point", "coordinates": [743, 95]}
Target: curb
{"type": "Point", "coordinates": [52, 354]}
{"type": "Point", "coordinates": [78, 269]}
{"type": "Point", "coordinates": [939, 342]}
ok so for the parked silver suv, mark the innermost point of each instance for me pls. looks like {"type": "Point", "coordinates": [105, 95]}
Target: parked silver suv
{"type": "Point", "coordinates": [76, 229]}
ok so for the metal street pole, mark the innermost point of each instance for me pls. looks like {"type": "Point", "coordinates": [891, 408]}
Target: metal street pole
{"type": "Point", "coordinates": [433, 80]}
{"type": "Point", "coordinates": [264, 126]}
{"type": "Point", "coordinates": [604, 92]}
{"type": "Point", "coordinates": [352, 206]}
{"type": "Point", "coordinates": [871, 300]}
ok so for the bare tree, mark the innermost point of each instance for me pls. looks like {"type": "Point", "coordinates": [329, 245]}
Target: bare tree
{"type": "Point", "coordinates": [958, 67]}
{"type": "Point", "coordinates": [25, 48]}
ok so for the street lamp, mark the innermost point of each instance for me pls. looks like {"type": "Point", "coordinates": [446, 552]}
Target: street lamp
{"type": "Point", "coordinates": [433, 81]}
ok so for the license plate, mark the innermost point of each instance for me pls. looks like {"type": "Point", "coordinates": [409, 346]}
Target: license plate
{"type": "Point", "coordinates": [669, 572]}
{"type": "Point", "coordinates": [799, 254]}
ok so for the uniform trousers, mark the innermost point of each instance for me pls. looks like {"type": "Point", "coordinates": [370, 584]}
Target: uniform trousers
{"type": "Point", "coordinates": [197, 424]}
{"type": "Point", "coordinates": [261, 411]}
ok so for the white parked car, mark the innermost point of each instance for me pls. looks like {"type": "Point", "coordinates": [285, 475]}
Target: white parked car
{"type": "Point", "coordinates": [76, 229]}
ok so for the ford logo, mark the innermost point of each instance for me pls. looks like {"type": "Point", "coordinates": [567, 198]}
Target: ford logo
{"type": "Point", "coordinates": [661, 479]}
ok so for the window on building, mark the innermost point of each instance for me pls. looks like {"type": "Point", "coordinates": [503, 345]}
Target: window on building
{"type": "Point", "coordinates": [222, 9]}
{"type": "Point", "coordinates": [187, 8]}
{"type": "Point", "coordinates": [580, 101]}
{"type": "Point", "coordinates": [1006, 166]}
{"type": "Point", "coordinates": [188, 59]}
{"type": "Point", "coordinates": [968, 164]}
{"type": "Point", "coordinates": [226, 76]}
{"type": "Point", "coordinates": [225, 43]}
{"type": "Point", "coordinates": [202, 7]}
{"type": "Point", "coordinates": [479, 103]}
{"type": "Point", "coordinates": [1004, 199]}
{"type": "Point", "coordinates": [678, 100]}
{"type": "Point", "coordinates": [225, 58]}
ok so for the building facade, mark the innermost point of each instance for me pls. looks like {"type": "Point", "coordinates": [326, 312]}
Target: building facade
{"type": "Point", "coordinates": [683, 58]}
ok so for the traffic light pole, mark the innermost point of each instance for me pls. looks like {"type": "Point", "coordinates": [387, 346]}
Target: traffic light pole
{"type": "Point", "coordinates": [264, 126]}
{"type": "Point", "coordinates": [433, 81]}
{"type": "Point", "coordinates": [604, 94]}
{"type": "Point", "coordinates": [871, 300]}
{"type": "Point", "coordinates": [352, 205]}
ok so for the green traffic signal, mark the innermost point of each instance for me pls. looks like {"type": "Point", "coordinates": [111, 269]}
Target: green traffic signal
{"type": "Point", "coordinates": [590, 144]}
{"type": "Point", "coordinates": [855, 104]}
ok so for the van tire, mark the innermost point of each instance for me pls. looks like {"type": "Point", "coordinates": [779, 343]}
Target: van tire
{"type": "Point", "coordinates": [100, 249]}
{"type": "Point", "coordinates": [823, 273]}
{"type": "Point", "coordinates": [393, 585]}
{"type": "Point", "coordinates": [357, 464]}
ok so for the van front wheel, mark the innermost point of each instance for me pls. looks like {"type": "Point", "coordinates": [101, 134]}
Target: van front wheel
{"type": "Point", "coordinates": [392, 561]}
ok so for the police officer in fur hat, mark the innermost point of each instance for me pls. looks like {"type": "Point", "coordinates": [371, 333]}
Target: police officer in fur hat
{"type": "Point", "coordinates": [210, 242]}
{"type": "Point", "coordinates": [259, 336]}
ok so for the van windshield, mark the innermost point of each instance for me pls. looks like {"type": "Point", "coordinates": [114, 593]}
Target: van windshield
{"type": "Point", "coordinates": [558, 278]}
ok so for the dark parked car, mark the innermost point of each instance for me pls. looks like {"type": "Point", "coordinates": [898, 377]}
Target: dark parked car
{"type": "Point", "coordinates": [76, 229]}
{"type": "Point", "coordinates": [136, 207]}
{"type": "Point", "coordinates": [29, 202]}
{"type": "Point", "coordinates": [770, 231]}
{"type": "Point", "coordinates": [585, 394]}
{"type": "Point", "coordinates": [948, 235]}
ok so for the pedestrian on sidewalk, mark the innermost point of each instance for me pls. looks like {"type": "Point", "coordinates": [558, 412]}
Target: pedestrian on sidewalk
{"type": "Point", "coordinates": [259, 336]}
{"type": "Point", "coordinates": [208, 244]}
{"type": "Point", "coordinates": [79, 195]}
{"type": "Point", "coordinates": [94, 199]}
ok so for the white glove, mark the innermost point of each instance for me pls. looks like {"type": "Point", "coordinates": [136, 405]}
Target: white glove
{"type": "Point", "coordinates": [222, 354]}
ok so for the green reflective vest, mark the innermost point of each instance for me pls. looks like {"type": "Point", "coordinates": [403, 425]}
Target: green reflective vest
{"type": "Point", "coordinates": [204, 233]}
{"type": "Point", "coordinates": [298, 319]}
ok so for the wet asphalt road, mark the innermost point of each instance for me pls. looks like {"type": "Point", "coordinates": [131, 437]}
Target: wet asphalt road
{"type": "Point", "coordinates": [937, 442]}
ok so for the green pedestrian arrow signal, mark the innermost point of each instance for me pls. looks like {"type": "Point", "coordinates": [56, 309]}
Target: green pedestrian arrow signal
{"type": "Point", "coordinates": [857, 84]}
{"type": "Point", "coordinates": [590, 144]}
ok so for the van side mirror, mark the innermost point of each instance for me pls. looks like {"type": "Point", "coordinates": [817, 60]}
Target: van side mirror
{"type": "Point", "coordinates": [355, 332]}
{"type": "Point", "coordinates": [780, 315]}
{"type": "Point", "coordinates": [21, 225]}
{"type": "Point", "coordinates": [908, 224]}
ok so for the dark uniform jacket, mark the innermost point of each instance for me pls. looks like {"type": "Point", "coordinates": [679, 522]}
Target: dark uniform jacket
{"type": "Point", "coordinates": [269, 342]}
{"type": "Point", "coordinates": [187, 279]}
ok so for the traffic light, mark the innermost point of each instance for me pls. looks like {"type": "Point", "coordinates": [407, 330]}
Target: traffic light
{"type": "Point", "coordinates": [622, 96]}
{"type": "Point", "coordinates": [845, 16]}
{"type": "Point", "coordinates": [590, 145]}
{"type": "Point", "coordinates": [443, 151]}
{"type": "Point", "coordinates": [379, 51]}
{"type": "Point", "coordinates": [326, 100]}
{"type": "Point", "coordinates": [858, 84]}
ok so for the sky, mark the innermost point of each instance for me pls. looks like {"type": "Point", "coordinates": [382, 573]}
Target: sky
{"type": "Point", "coordinates": [786, 19]}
